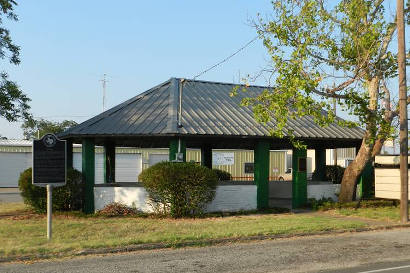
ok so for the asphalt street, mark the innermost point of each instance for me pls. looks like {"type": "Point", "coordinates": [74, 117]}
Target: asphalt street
{"type": "Point", "coordinates": [366, 252]}
{"type": "Point", "coordinates": [9, 195]}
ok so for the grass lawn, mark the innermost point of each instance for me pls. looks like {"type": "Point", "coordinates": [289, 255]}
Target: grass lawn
{"type": "Point", "coordinates": [388, 214]}
{"type": "Point", "coordinates": [12, 208]}
{"type": "Point", "coordinates": [26, 234]}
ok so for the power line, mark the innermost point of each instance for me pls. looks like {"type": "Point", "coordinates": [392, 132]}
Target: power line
{"type": "Point", "coordinates": [227, 58]}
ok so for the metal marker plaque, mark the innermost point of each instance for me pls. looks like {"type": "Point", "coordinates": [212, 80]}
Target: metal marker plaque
{"type": "Point", "coordinates": [49, 161]}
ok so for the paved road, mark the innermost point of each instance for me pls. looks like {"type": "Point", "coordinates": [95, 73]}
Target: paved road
{"type": "Point", "coordinates": [361, 252]}
{"type": "Point", "coordinates": [8, 195]}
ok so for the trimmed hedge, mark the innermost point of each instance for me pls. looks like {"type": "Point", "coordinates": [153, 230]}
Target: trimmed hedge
{"type": "Point", "coordinates": [222, 175]}
{"type": "Point", "coordinates": [65, 198]}
{"type": "Point", "coordinates": [179, 189]}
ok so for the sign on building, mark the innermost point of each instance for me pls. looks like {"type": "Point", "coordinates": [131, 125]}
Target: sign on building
{"type": "Point", "coordinates": [222, 158]}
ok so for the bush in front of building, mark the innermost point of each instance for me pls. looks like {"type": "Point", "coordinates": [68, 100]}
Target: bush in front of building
{"type": "Point", "coordinates": [179, 189]}
{"type": "Point", "coordinates": [65, 198]}
{"type": "Point", "coordinates": [222, 175]}
{"type": "Point", "coordinates": [332, 173]}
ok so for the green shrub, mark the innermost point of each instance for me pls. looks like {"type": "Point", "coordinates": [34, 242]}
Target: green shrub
{"type": "Point", "coordinates": [179, 189]}
{"type": "Point", "coordinates": [118, 209]}
{"type": "Point", "coordinates": [332, 173]}
{"type": "Point", "coordinates": [321, 204]}
{"type": "Point", "coordinates": [65, 198]}
{"type": "Point", "coordinates": [222, 175]}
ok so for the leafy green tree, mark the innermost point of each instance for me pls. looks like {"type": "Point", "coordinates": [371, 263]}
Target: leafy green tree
{"type": "Point", "coordinates": [325, 50]}
{"type": "Point", "coordinates": [13, 102]}
{"type": "Point", "coordinates": [37, 128]}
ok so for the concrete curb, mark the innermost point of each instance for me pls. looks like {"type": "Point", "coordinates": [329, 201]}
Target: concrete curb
{"type": "Point", "coordinates": [210, 242]}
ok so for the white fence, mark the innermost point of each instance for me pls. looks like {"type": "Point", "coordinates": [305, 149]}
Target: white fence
{"type": "Point", "coordinates": [387, 177]}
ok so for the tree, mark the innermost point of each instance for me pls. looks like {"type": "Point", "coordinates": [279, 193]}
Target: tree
{"type": "Point", "coordinates": [13, 102]}
{"type": "Point", "coordinates": [323, 51]}
{"type": "Point", "coordinates": [37, 128]}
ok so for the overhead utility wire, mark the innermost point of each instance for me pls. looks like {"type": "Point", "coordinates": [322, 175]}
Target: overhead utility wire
{"type": "Point", "coordinates": [227, 58]}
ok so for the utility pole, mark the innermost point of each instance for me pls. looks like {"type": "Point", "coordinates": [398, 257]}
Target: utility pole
{"type": "Point", "coordinates": [401, 58]}
{"type": "Point", "coordinates": [104, 85]}
{"type": "Point", "coordinates": [334, 150]}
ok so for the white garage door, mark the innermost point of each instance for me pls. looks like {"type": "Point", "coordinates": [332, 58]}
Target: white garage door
{"type": "Point", "coordinates": [127, 167]}
{"type": "Point", "coordinates": [11, 165]}
{"type": "Point", "coordinates": [156, 158]}
{"type": "Point", "coordinates": [77, 161]}
{"type": "Point", "coordinates": [99, 166]}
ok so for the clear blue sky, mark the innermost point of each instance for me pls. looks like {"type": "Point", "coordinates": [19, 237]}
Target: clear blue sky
{"type": "Point", "coordinates": [66, 47]}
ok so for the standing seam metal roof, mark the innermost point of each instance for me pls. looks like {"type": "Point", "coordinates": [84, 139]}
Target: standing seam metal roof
{"type": "Point", "coordinates": [207, 109]}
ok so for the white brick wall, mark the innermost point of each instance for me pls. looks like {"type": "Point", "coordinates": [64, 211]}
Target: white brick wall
{"type": "Point", "coordinates": [319, 191]}
{"type": "Point", "coordinates": [130, 196]}
{"type": "Point", "coordinates": [233, 198]}
{"type": "Point", "coordinates": [227, 198]}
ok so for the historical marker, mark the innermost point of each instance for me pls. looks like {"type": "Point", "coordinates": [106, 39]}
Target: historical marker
{"type": "Point", "coordinates": [49, 165]}
{"type": "Point", "coordinates": [49, 168]}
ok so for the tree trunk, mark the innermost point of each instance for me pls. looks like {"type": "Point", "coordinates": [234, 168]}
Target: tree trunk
{"type": "Point", "coordinates": [352, 173]}
{"type": "Point", "coordinates": [354, 170]}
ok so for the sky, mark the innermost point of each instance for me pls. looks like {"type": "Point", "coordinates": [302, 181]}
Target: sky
{"type": "Point", "coordinates": [67, 46]}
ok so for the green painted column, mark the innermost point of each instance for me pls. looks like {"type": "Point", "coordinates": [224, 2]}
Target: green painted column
{"type": "Point", "coordinates": [366, 182]}
{"type": "Point", "coordinates": [299, 178]}
{"type": "Point", "coordinates": [69, 158]}
{"type": "Point", "coordinates": [206, 156]}
{"type": "Point", "coordinates": [173, 149]}
{"type": "Point", "coordinates": [109, 163]}
{"type": "Point", "coordinates": [320, 164]}
{"type": "Point", "coordinates": [88, 164]}
{"type": "Point", "coordinates": [261, 174]}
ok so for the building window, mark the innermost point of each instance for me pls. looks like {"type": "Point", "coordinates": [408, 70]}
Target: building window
{"type": "Point", "coordinates": [249, 167]}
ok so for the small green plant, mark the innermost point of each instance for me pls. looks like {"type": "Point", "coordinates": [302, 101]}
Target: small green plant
{"type": "Point", "coordinates": [65, 198]}
{"type": "Point", "coordinates": [179, 189]}
{"type": "Point", "coordinates": [118, 209]}
{"type": "Point", "coordinates": [321, 204]}
{"type": "Point", "coordinates": [222, 175]}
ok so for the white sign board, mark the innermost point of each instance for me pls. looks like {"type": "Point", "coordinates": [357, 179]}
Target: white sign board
{"type": "Point", "coordinates": [221, 158]}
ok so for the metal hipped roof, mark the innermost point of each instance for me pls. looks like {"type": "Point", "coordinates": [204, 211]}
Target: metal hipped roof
{"type": "Point", "coordinates": [207, 109]}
